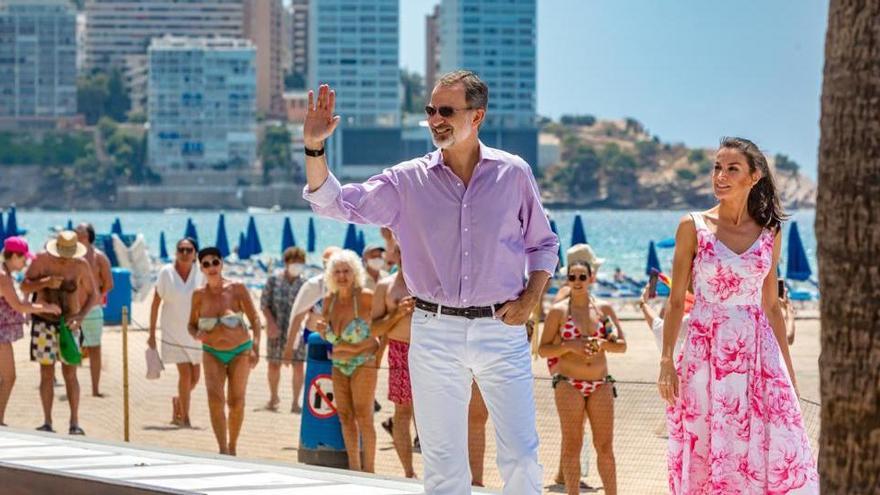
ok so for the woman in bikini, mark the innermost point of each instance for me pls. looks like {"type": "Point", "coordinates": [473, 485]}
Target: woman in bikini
{"type": "Point", "coordinates": [577, 334]}
{"type": "Point", "coordinates": [346, 325]}
{"type": "Point", "coordinates": [217, 320]}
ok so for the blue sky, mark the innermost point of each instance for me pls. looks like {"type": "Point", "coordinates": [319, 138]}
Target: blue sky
{"type": "Point", "coordinates": [691, 71]}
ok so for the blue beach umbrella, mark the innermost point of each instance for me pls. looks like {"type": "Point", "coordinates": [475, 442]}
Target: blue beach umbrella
{"type": "Point", "coordinates": [243, 253]}
{"type": "Point", "coordinates": [222, 239]}
{"type": "Point", "coordinates": [362, 243]}
{"type": "Point", "coordinates": [2, 229]}
{"type": "Point", "coordinates": [797, 265]}
{"type": "Point", "coordinates": [11, 223]}
{"type": "Point", "coordinates": [555, 230]}
{"type": "Point", "coordinates": [287, 239]}
{"type": "Point", "coordinates": [163, 250]}
{"type": "Point", "coordinates": [116, 228]}
{"type": "Point", "coordinates": [253, 238]}
{"type": "Point", "coordinates": [350, 241]}
{"type": "Point", "coordinates": [312, 237]}
{"type": "Point", "coordinates": [669, 242]}
{"type": "Point", "coordinates": [578, 235]}
{"type": "Point", "coordinates": [191, 230]}
{"type": "Point", "coordinates": [69, 224]}
{"type": "Point", "coordinates": [653, 259]}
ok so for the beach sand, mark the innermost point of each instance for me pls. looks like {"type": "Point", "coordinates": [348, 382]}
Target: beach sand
{"type": "Point", "coordinates": [640, 452]}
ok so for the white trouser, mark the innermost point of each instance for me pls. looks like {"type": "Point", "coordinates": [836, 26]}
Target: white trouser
{"type": "Point", "coordinates": [446, 353]}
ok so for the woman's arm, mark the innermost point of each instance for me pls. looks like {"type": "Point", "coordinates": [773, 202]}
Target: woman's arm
{"type": "Point", "coordinates": [682, 263]}
{"type": "Point", "coordinates": [7, 292]}
{"type": "Point", "coordinates": [551, 343]}
{"type": "Point", "coordinates": [562, 294]}
{"type": "Point", "coordinates": [647, 311]}
{"type": "Point", "coordinates": [619, 344]}
{"type": "Point", "coordinates": [193, 325]}
{"type": "Point", "coordinates": [770, 300]}
{"type": "Point", "coordinates": [249, 309]}
{"type": "Point", "coordinates": [154, 317]}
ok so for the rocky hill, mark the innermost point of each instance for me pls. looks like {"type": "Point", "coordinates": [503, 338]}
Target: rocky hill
{"type": "Point", "coordinates": [618, 164]}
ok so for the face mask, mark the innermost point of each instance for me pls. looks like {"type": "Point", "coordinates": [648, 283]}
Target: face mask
{"type": "Point", "coordinates": [294, 269]}
{"type": "Point", "coordinates": [376, 263]}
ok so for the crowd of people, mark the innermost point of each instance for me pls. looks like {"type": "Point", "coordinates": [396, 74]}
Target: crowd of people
{"type": "Point", "coordinates": [451, 320]}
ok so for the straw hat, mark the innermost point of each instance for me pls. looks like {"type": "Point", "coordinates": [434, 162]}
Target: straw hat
{"type": "Point", "coordinates": [585, 253]}
{"type": "Point", "coordinates": [65, 245]}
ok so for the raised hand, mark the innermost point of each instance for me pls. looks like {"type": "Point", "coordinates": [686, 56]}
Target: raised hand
{"type": "Point", "coordinates": [320, 121]}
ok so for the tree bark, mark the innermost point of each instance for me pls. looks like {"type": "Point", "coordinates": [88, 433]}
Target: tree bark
{"type": "Point", "coordinates": [848, 234]}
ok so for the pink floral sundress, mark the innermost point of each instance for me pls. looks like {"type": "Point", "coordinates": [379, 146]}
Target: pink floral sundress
{"type": "Point", "coordinates": [736, 427]}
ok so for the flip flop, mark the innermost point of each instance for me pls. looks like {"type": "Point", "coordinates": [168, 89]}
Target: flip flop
{"type": "Point", "coordinates": [76, 430]}
{"type": "Point", "coordinates": [47, 428]}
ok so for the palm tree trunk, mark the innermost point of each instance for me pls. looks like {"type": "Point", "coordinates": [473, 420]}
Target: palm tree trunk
{"type": "Point", "coordinates": [848, 232]}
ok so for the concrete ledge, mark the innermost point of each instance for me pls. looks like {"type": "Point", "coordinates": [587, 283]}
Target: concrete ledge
{"type": "Point", "coordinates": [38, 463]}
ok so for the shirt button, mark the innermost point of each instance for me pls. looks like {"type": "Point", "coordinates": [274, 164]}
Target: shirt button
{"type": "Point", "coordinates": [464, 300]}
{"type": "Point", "coordinates": [465, 277]}
{"type": "Point", "coordinates": [465, 253]}
{"type": "Point", "coordinates": [465, 205]}
{"type": "Point", "coordinates": [465, 229]}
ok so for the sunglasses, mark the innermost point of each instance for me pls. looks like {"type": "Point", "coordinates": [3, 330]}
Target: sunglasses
{"type": "Point", "coordinates": [444, 111]}
{"type": "Point", "coordinates": [185, 250]}
{"type": "Point", "coordinates": [582, 278]}
{"type": "Point", "coordinates": [210, 263]}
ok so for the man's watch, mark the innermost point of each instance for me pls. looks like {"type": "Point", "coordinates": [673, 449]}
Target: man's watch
{"type": "Point", "coordinates": [315, 153]}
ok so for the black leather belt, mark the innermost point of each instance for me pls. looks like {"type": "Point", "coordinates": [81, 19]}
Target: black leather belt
{"type": "Point", "coordinates": [469, 312]}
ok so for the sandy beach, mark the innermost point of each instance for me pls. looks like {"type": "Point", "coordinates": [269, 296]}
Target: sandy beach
{"type": "Point", "coordinates": [640, 452]}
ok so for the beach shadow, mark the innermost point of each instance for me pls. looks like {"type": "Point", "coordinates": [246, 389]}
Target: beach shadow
{"type": "Point", "coordinates": [560, 488]}
{"type": "Point", "coordinates": [170, 428]}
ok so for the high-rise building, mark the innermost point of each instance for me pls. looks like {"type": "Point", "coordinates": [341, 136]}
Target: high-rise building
{"type": "Point", "coordinates": [202, 103]}
{"type": "Point", "coordinates": [299, 39]}
{"type": "Point", "coordinates": [37, 60]}
{"type": "Point", "coordinates": [119, 28]}
{"type": "Point", "coordinates": [497, 40]}
{"type": "Point", "coordinates": [354, 47]}
{"type": "Point", "coordinates": [263, 25]}
{"type": "Point", "coordinates": [432, 48]}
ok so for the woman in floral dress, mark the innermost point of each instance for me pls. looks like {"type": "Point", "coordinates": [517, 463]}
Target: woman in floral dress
{"type": "Point", "coordinates": [734, 419]}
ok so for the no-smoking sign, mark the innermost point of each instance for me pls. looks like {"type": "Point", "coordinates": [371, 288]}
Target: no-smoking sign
{"type": "Point", "coordinates": [321, 397]}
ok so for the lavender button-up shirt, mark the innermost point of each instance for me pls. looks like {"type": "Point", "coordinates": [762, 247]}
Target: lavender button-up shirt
{"type": "Point", "coordinates": [460, 246]}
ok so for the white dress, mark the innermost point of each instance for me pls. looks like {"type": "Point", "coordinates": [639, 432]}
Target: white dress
{"type": "Point", "coordinates": [178, 346]}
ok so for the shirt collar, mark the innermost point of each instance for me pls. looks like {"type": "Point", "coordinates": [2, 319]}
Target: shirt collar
{"type": "Point", "coordinates": [487, 154]}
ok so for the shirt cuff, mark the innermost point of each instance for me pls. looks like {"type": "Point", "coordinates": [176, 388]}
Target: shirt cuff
{"type": "Point", "coordinates": [326, 194]}
{"type": "Point", "coordinates": [541, 261]}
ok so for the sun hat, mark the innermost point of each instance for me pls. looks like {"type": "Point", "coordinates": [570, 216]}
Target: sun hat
{"type": "Point", "coordinates": [17, 245]}
{"type": "Point", "coordinates": [66, 245]}
{"type": "Point", "coordinates": [585, 253]}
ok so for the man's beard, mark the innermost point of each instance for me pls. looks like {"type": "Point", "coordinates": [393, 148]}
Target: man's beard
{"type": "Point", "coordinates": [446, 141]}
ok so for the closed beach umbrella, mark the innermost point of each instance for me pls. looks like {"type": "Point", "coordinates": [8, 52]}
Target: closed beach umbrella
{"type": "Point", "coordinates": [287, 239]}
{"type": "Point", "coordinates": [312, 237]}
{"type": "Point", "coordinates": [578, 235]}
{"type": "Point", "coordinates": [555, 230]}
{"type": "Point", "coordinates": [191, 230]}
{"type": "Point", "coordinates": [242, 247]}
{"type": "Point", "coordinates": [2, 229]}
{"type": "Point", "coordinates": [361, 242]}
{"type": "Point", "coordinates": [350, 241]}
{"type": "Point", "coordinates": [653, 260]}
{"type": "Point", "coordinates": [253, 238]}
{"type": "Point", "coordinates": [222, 239]}
{"type": "Point", "coordinates": [163, 250]}
{"type": "Point", "coordinates": [116, 228]}
{"type": "Point", "coordinates": [797, 265]}
{"type": "Point", "coordinates": [69, 224]}
{"type": "Point", "coordinates": [11, 223]}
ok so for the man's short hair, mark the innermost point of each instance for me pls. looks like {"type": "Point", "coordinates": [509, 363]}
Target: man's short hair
{"type": "Point", "coordinates": [90, 231]}
{"type": "Point", "coordinates": [476, 92]}
{"type": "Point", "coordinates": [294, 253]}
